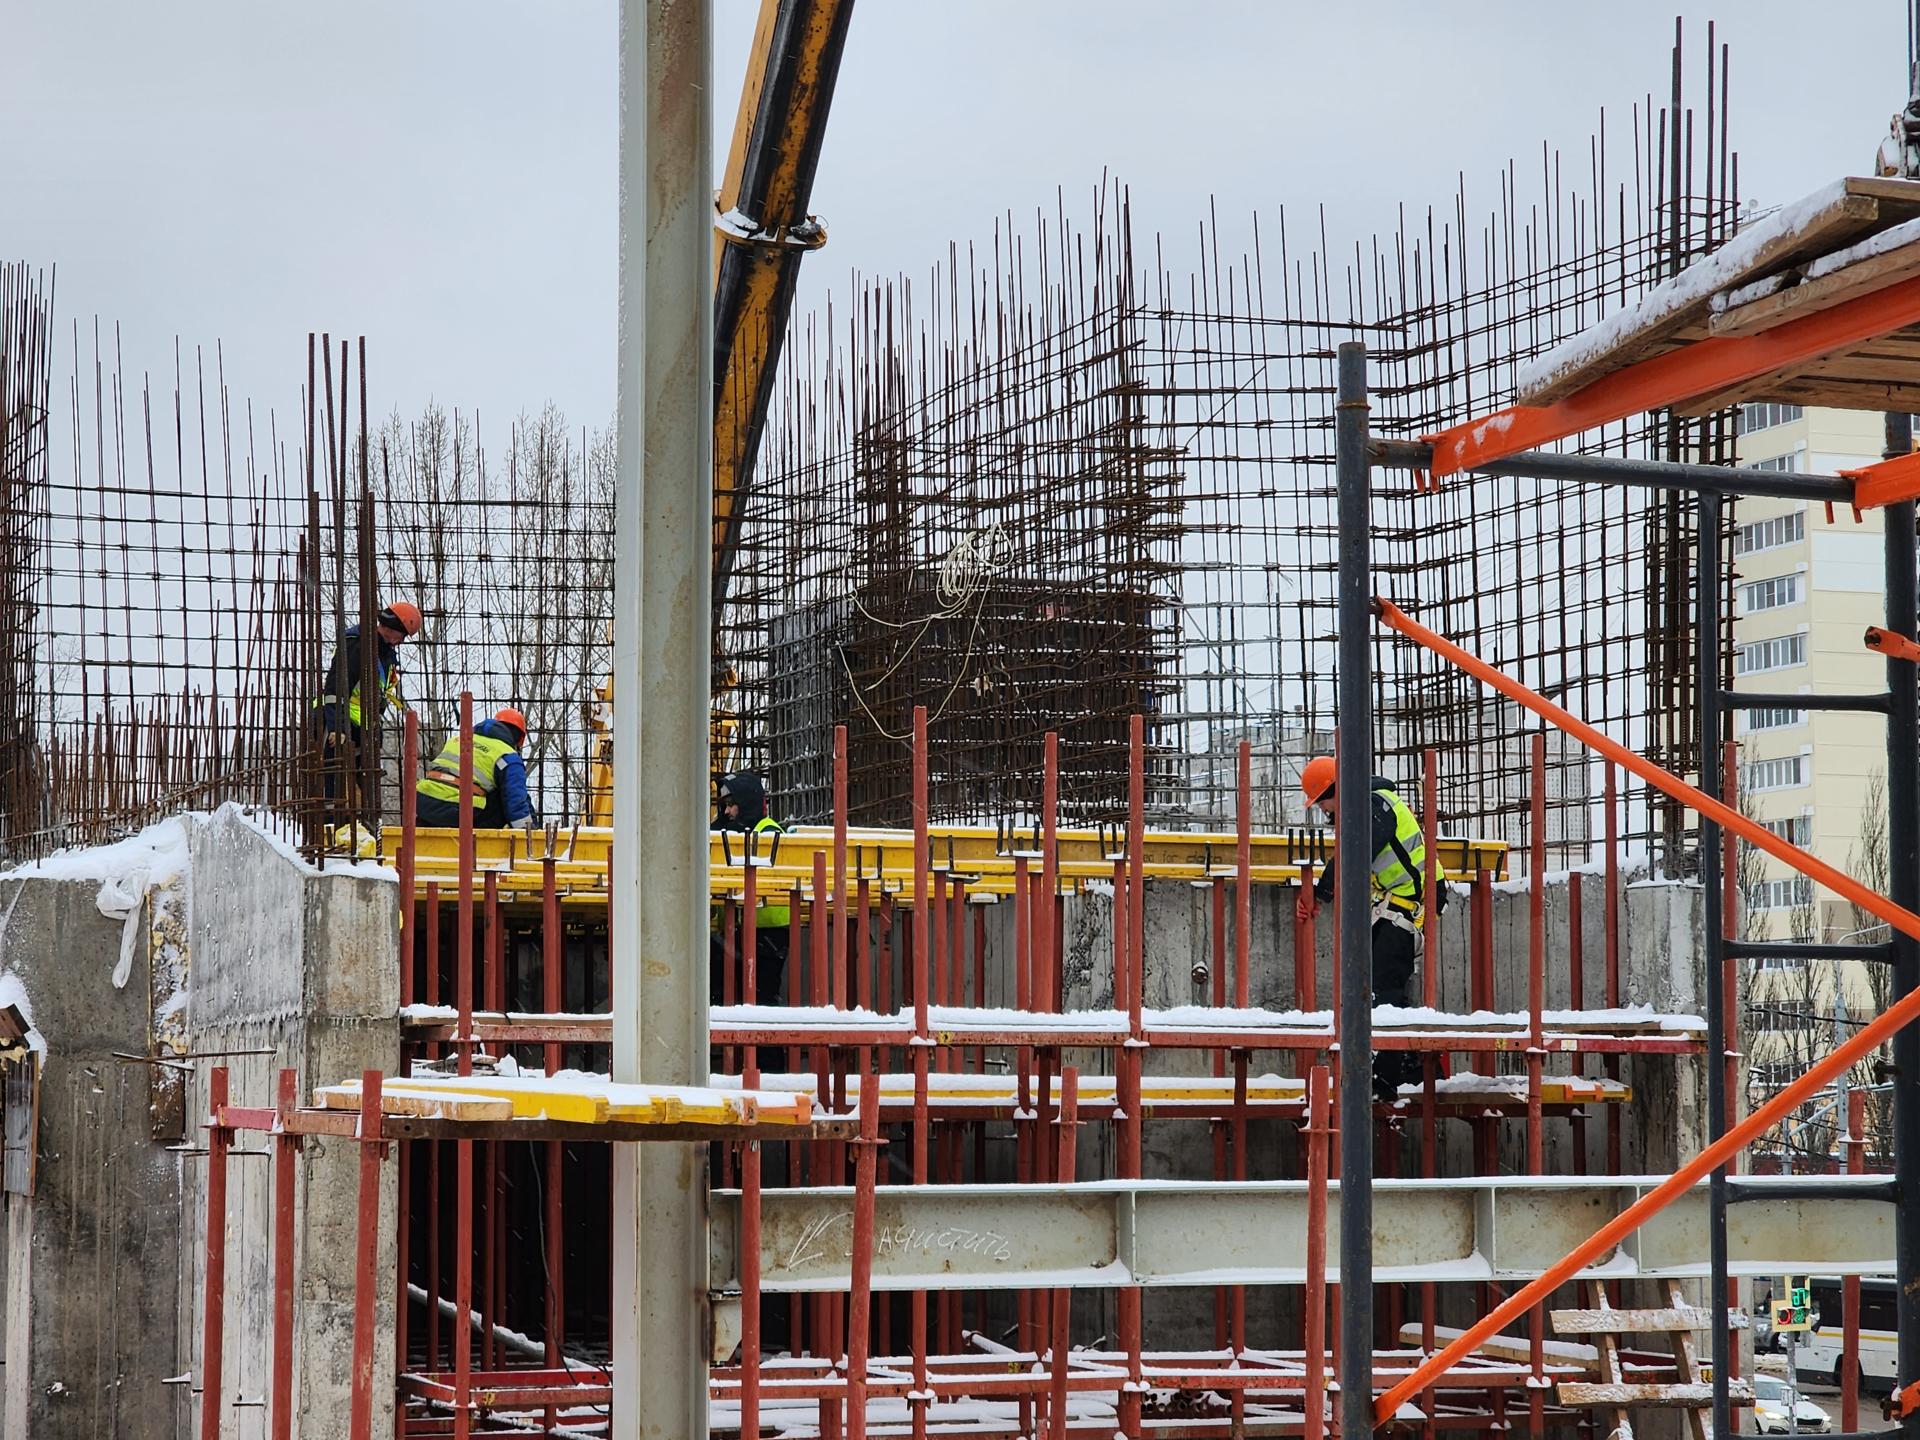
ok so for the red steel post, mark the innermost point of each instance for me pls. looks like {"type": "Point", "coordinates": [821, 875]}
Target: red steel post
{"type": "Point", "coordinates": [404, 861]}
{"type": "Point", "coordinates": [1610, 1066]}
{"type": "Point", "coordinates": [921, 1041]}
{"type": "Point", "coordinates": [860, 1291]}
{"type": "Point", "coordinates": [402, 1301]}
{"type": "Point", "coordinates": [1058, 1360]}
{"type": "Point", "coordinates": [462, 1327]}
{"type": "Point", "coordinates": [366, 1274]}
{"type": "Point", "coordinates": [463, 953]}
{"type": "Point", "coordinates": [1536, 1049]}
{"type": "Point", "coordinates": [1130, 1157]}
{"type": "Point", "coordinates": [1217, 900]}
{"type": "Point", "coordinates": [214, 1300]}
{"type": "Point", "coordinates": [285, 1146]}
{"type": "Point", "coordinates": [1050, 869]}
{"type": "Point", "coordinates": [1306, 977]}
{"type": "Point", "coordinates": [1314, 1399]}
{"type": "Point", "coordinates": [750, 1157]}
{"type": "Point", "coordinates": [839, 866]}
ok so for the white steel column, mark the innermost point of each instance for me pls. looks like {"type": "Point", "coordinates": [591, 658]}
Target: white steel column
{"type": "Point", "coordinates": [661, 665]}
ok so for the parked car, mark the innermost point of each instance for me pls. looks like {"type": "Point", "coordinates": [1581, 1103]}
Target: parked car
{"type": "Point", "coordinates": [1774, 1400]}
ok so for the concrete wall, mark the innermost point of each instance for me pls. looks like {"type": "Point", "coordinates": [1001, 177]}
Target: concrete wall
{"type": "Point", "coordinates": [93, 1259]}
{"type": "Point", "coordinates": [247, 951]}
{"type": "Point", "coordinates": [301, 966]}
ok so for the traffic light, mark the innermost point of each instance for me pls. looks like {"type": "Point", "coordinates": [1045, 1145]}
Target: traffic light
{"type": "Point", "coordinates": [1796, 1311]}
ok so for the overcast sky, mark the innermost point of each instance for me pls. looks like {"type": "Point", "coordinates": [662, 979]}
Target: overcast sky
{"type": "Point", "coordinates": [441, 177]}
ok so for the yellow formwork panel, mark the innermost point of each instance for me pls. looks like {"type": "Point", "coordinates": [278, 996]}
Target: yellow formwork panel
{"type": "Point", "coordinates": [981, 855]}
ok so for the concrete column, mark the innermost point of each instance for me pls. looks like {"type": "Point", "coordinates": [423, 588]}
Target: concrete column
{"type": "Point", "coordinates": [662, 650]}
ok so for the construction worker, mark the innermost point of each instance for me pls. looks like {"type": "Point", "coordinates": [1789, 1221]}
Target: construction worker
{"type": "Point", "coordinates": [742, 808]}
{"type": "Point", "coordinates": [393, 627]}
{"type": "Point", "coordinates": [1396, 883]}
{"type": "Point", "coordinates": [499, 777]}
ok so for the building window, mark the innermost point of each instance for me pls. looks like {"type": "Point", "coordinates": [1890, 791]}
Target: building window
{"type": "Point", "coordinates": [1783, 894]}
{"type": "Point", "coordinates": [1765, 416]}
{"type": "Point", "coordinates": [1779, 653]}
{"type": "Point", "coordinates": [1771, 594]}
{"type": "Point", "coordinates": [1782, 773]}
{"type": "Point", "coordinates": [1788, 529]}
{"type": "Point", "coordinates": [1794, 829]}
{"type": "Point", "coordinates": [1773, 718]}
{"type": "Point", "coordinates": [1787, 463]}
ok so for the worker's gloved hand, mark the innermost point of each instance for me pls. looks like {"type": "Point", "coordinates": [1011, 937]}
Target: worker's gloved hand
{"type": "Point", "coordinates": [1305, 905]}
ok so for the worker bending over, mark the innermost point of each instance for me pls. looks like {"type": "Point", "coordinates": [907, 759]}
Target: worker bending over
{"type": "Point", "coordinates": [499, 777]}
{"type": "Point", "coordinates": [1396, 884]}
{"type": "Point", "coordinates": [742, 807]}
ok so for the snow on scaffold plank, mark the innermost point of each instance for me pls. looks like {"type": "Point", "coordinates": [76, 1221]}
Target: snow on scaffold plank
{"type": "Point", "coordinates": [1170, 1091]}
{"type": "Point", "coordinates": [581, 1097]}
{"type": "Point", "coordinates": [420, 1103]}
{"type": "Point", "coordinates": [1677, 311]}
{"type": "Point", "coordinates": [955, 1022]}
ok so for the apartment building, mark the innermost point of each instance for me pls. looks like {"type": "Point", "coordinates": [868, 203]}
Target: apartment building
{"type": "Point", "coordinates": [1807, 585]}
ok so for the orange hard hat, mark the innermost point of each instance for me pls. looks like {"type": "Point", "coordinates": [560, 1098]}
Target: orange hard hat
{"type": "Point", "coordinates": [1316, 779]}
{"type": "Point", "coordinates": [513, 717]}
{"type": "Point", "coordinates": [403, 616]}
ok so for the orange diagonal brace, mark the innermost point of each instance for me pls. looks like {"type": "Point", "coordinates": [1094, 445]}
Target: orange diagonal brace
{"type": "Point", "coordinates": [1888, 643]}
{"type": "Point", "coordinates": [1696, 369]}
{"type": "Point", "coordinates": [1694, 799]}
{"type": "Point", "coordinates": [1861, 1043]}
{"type": "Point", "coordinates": [1886, 483]}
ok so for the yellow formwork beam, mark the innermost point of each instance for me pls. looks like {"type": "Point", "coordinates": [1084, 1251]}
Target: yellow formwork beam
{"type": "Point", "coordinates": [981, 855]}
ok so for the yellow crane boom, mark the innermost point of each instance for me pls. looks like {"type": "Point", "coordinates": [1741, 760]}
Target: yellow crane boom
{"type": "Point", "coordinates": [761, 231]}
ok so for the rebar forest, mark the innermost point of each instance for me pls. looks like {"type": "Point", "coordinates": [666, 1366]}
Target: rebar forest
{"type": "Point", "coordinates": [1030, 1090]}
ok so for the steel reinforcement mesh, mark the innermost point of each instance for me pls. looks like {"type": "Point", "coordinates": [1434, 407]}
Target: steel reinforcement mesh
{"type": "Point", "coordinates": [1070, 477]}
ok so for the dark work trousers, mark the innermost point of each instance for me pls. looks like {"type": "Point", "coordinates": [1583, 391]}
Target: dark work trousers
{"type": "Point", "coordinates": [1395, 958]}
{"type": "Point", "coordinates": [433, 811]}
{"type": "Point", "coordinates": [335, 753]}
{"type": "Point", "coordinates": [769, 971]}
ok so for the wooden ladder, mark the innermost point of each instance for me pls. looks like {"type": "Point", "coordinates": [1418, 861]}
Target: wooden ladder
{"type": "Point", "coordinates": [1692, 1392]}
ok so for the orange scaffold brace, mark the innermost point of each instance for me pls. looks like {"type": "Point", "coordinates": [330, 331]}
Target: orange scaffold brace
{"type": "Point", "coordinates": [1694, 370]}
{"type": "Point", "coordinates": [1876, 1033]}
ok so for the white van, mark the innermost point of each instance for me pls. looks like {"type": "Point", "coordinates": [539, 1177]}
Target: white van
{"type": "Point", "coordinates": [1816, 1358]}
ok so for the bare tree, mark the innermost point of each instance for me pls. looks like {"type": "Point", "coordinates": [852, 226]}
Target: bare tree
{"type": "Point", "coordinates": [512, 565]}
{"type": "Point", "coordinates": [1867, 862]}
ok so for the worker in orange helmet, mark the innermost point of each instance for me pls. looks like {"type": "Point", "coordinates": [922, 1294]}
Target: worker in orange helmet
{"type": "Point", "coordinates": [1396, 882]}
{"type": "Point", "coordinates": [499, 777]}
{"type": "Point", "coordinates": [338, 709]}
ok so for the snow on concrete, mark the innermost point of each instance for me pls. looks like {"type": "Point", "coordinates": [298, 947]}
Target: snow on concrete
{"type": "Point", "coordinates": [1694, 285]}
{"type": "Point", "coordinates": [156, 855]}
{"type": "Point", "coordinates": [147, 873]}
